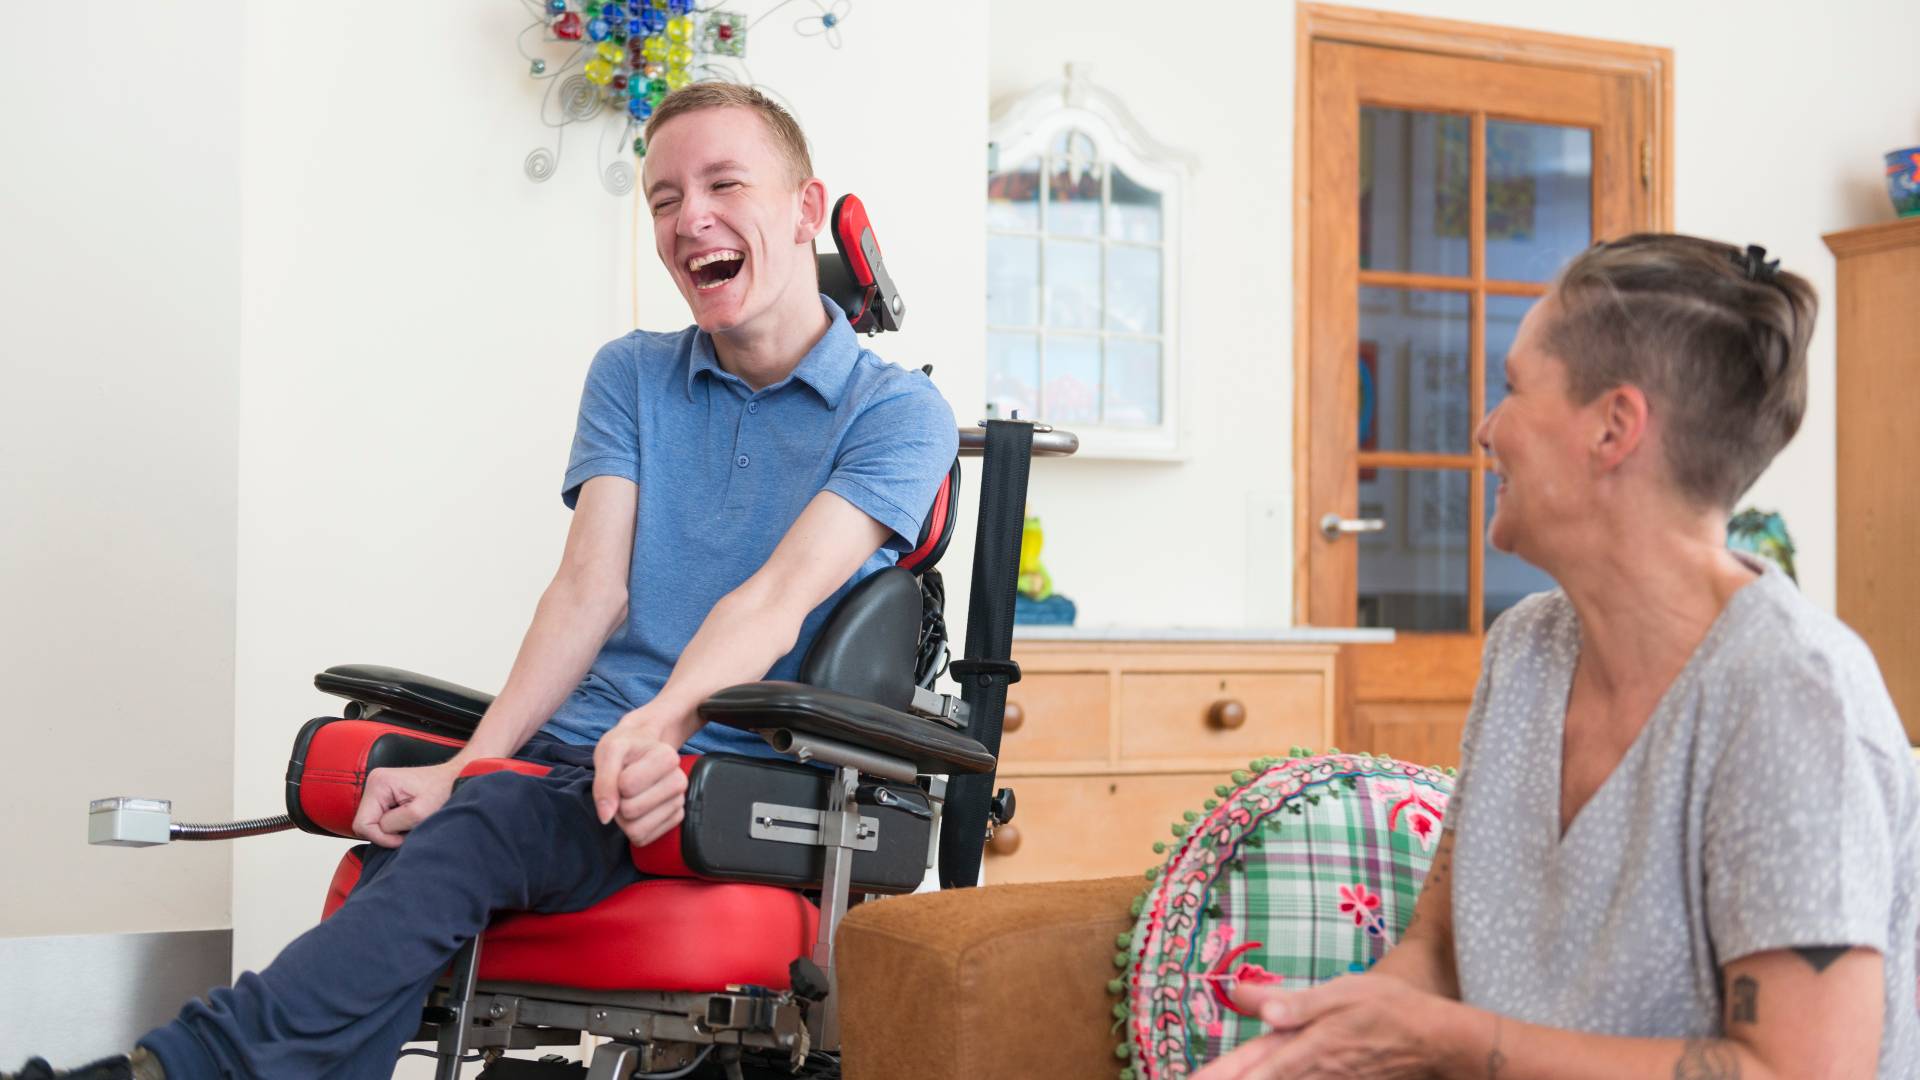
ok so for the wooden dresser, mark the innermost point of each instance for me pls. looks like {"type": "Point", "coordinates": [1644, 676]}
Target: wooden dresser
{"type": "Point", "coordinates": [1108, 742]}
{"type": "Point", "coordinates": [1877, 442]}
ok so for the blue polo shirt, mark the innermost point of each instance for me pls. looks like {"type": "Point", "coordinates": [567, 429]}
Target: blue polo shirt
{"type": "Point", "coordinates": [722, 472]}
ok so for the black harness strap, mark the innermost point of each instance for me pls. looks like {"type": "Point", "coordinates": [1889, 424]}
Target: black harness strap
{"type": "Point", "coordinates": [988, 667]}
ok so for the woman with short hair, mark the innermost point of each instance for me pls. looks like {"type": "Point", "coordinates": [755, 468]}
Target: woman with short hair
{"type": "Point", "coordinates": [1683, 841]}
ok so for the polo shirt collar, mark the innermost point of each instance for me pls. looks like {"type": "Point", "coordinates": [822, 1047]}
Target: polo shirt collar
{"type": "Point", "coordinates": [826, 368]}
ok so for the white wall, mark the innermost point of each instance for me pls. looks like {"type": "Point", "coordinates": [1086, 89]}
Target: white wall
{"type": "Point", "coordinates": [418, 318]}
{"type": "Point", "coordinates": [1782, 113]}
{"type": "Point", "coordinates": [119, 352]}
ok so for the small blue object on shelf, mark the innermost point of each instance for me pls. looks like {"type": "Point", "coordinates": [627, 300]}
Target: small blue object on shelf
{"type": "Point", "coordinates": [1055, 610]}
{"type": "Point", "coordinates": [1903, 181]}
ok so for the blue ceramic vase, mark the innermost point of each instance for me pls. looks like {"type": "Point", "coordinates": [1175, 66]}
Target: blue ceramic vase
{"type": "Point", "coordinates": [1903, 181]}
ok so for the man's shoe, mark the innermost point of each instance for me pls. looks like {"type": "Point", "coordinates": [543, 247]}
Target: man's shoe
{"type": "Point", "coordinates": [140, 1065]}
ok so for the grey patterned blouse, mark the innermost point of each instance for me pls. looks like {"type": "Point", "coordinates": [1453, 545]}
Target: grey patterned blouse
{"type": "Point", "coordinates": [1770, 802]}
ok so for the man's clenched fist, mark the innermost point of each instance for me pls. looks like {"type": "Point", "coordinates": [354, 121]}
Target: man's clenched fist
{"type": "Point", "coordinates": [395, 800]}
{"type": "Point", "coordinates": [637, 783]}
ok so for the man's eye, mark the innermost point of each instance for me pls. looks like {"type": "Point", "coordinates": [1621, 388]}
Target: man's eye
{"type": "Point", "coordinates": [723, 184]}
{"type": "Point", "coordinates": [663, 206]}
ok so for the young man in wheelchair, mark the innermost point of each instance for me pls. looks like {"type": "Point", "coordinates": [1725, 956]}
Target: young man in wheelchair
{"type": "Point", "coordinates": [729, 482]}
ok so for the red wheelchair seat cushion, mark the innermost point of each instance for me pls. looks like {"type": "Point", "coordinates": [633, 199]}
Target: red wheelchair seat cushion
{"type": "Point", "coordinates": [668, 935]}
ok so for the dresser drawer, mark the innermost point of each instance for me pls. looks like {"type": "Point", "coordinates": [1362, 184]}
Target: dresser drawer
{"type": "Point", "coordinates": [1226, 716]}
{"type": "Point", "coordinates": [1071, 827]}
{"type": "Point", "coordinates": [1062, 716]}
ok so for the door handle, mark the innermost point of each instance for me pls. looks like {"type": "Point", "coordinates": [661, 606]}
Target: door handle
{"type": "Point", "coordinates": [1333, 526]}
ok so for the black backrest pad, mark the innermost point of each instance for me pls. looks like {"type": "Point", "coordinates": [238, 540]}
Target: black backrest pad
{"type": "Point", "coordinates": [866, 648]}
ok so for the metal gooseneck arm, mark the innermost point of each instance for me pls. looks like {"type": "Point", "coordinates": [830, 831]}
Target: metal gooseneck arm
{"type": "Point", "coordinates": [131, 821]}
{"type": "Point", "coordinates": [231, 830]}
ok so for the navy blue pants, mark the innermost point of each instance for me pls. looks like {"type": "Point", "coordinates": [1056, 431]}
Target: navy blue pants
{"type": "Point", "coordinates": [342, 998]}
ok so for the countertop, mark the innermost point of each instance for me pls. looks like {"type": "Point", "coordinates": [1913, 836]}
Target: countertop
{"type": "Point", "coordinates": [1297, 635]}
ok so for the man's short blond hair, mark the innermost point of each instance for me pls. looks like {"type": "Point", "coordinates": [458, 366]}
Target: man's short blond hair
{"type": "Point", "coordinates": [787, 136]}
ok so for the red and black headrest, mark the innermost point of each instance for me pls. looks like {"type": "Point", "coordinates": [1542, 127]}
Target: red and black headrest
{"type": "Point", "coordinates": [938, 528]}
{"type": "Point", "coordinates": [855, 277]}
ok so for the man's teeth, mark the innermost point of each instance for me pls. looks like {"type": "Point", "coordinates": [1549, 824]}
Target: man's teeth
{"type": "Point", "coordinates": [711, 257]}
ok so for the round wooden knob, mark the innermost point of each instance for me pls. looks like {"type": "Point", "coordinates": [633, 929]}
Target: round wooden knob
{"type": "Point", "coordinates": [1227, 714]}
{"type": "Point", "coordinates": [1012, 718]}
{"type": "Point", "coordinates": [1006, 840]}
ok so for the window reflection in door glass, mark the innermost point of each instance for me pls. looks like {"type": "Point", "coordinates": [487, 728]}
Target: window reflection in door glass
{"type": "Point", "coordinates": [1414, 200]}
{"type": "Point", "coordinates": [1412, 574]}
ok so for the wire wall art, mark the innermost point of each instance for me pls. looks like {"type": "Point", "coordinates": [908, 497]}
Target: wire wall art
{"type": "Point", "coordinates": [611, 62]}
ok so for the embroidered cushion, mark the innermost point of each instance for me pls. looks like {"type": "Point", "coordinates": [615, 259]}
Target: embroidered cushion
{"type": "Point", "coordinates": [1304, 869]}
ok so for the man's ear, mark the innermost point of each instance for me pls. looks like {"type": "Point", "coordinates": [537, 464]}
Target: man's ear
{"type": "Point", "coordinates": [1625, 414]}
{"type": "Point", "coordinates": [813, 210]}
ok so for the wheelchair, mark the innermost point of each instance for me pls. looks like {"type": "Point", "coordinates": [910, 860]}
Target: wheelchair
{"type": "Point", "coordinates": [720, 962]}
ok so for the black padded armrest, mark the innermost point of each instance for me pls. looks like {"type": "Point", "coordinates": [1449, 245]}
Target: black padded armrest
{"type": "Point", "coordinates": [422, 697]}
{"type": "Point", "coordinates": [764, 706]}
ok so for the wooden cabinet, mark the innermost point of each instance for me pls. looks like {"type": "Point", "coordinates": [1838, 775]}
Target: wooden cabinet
{"type": "Point", "coordinates": [1107, 743]}
{"type": "Point", "coordinates": [1877, 442]}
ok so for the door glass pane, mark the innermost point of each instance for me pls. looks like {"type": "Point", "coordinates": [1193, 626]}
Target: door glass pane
{"type": "Point", "coordinates": [1073, 284]}
{"type": "Point", "coordinates": [1413, 573]}
{"type": "Point", "coordinates": [1013, 281]}
{"type": "Point", "coordinates": [1135, 210]}
{"type": "Point", "coordinates": [1013, 373]}
{"type": "Point", "coordinates": [1539, 198]}
{"type": "Point", "coordinates": [1073, 379]}
{"type": "Point", "coordinates": [1013, 198]}
{"type": "Point", "coordinates": [1414, 371]}
{"type": "Point", "coordinates": [1133, 289]}
{"type": "Point", "coordinates": [1509, 577]}
{"type": "Point", "coordinates": [1503, 322]}
{"type": "Point", "coordinates": [1133, 383]}
{"type": "Point", "coordinates": [1414, 200]}
{"type": "Point", "coordinates": [1073, 186]}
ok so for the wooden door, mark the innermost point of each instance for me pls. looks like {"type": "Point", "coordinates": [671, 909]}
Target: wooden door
{"type": "Point", "coordinates": [1877, 328]}
{"type": "Point", "coordinates": [1443, 193]}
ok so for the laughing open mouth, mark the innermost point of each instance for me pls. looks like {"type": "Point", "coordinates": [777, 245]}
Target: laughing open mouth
{"type": "Point", "coordinates": [715, 268]}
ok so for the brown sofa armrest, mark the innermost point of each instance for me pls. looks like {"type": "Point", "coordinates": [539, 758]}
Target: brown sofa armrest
{"type": "Point", "coordinates": [1001, 981]}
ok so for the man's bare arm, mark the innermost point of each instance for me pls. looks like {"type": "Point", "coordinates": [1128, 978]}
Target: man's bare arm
{"type": "Point", "coordinates": [750, 629]}
{"type": "Point", "coordinates": [581, 608]}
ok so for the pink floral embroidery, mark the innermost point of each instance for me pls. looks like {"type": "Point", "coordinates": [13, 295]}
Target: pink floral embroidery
{"type": "Point", "coordinates": [1359, 902]}
{"type": "Point", "coordinates": [1424, 808]}
{"type": "Point", "coordinates": [1200, 1005]}
{"type": "Point", "coordinates": [1364, 905]}
{"type": "Point", "coordinates": [1218, 940]}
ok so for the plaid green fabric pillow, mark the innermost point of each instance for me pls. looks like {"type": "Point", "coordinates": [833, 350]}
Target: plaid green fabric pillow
{"type": "Point", "coordinates": [1305, 870]}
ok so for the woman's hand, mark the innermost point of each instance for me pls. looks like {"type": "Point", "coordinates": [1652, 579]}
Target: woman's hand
{"type": "Point", "coordinates": [396, 800]}
{"type": "Point", "coordinates": [1357, 1026]}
